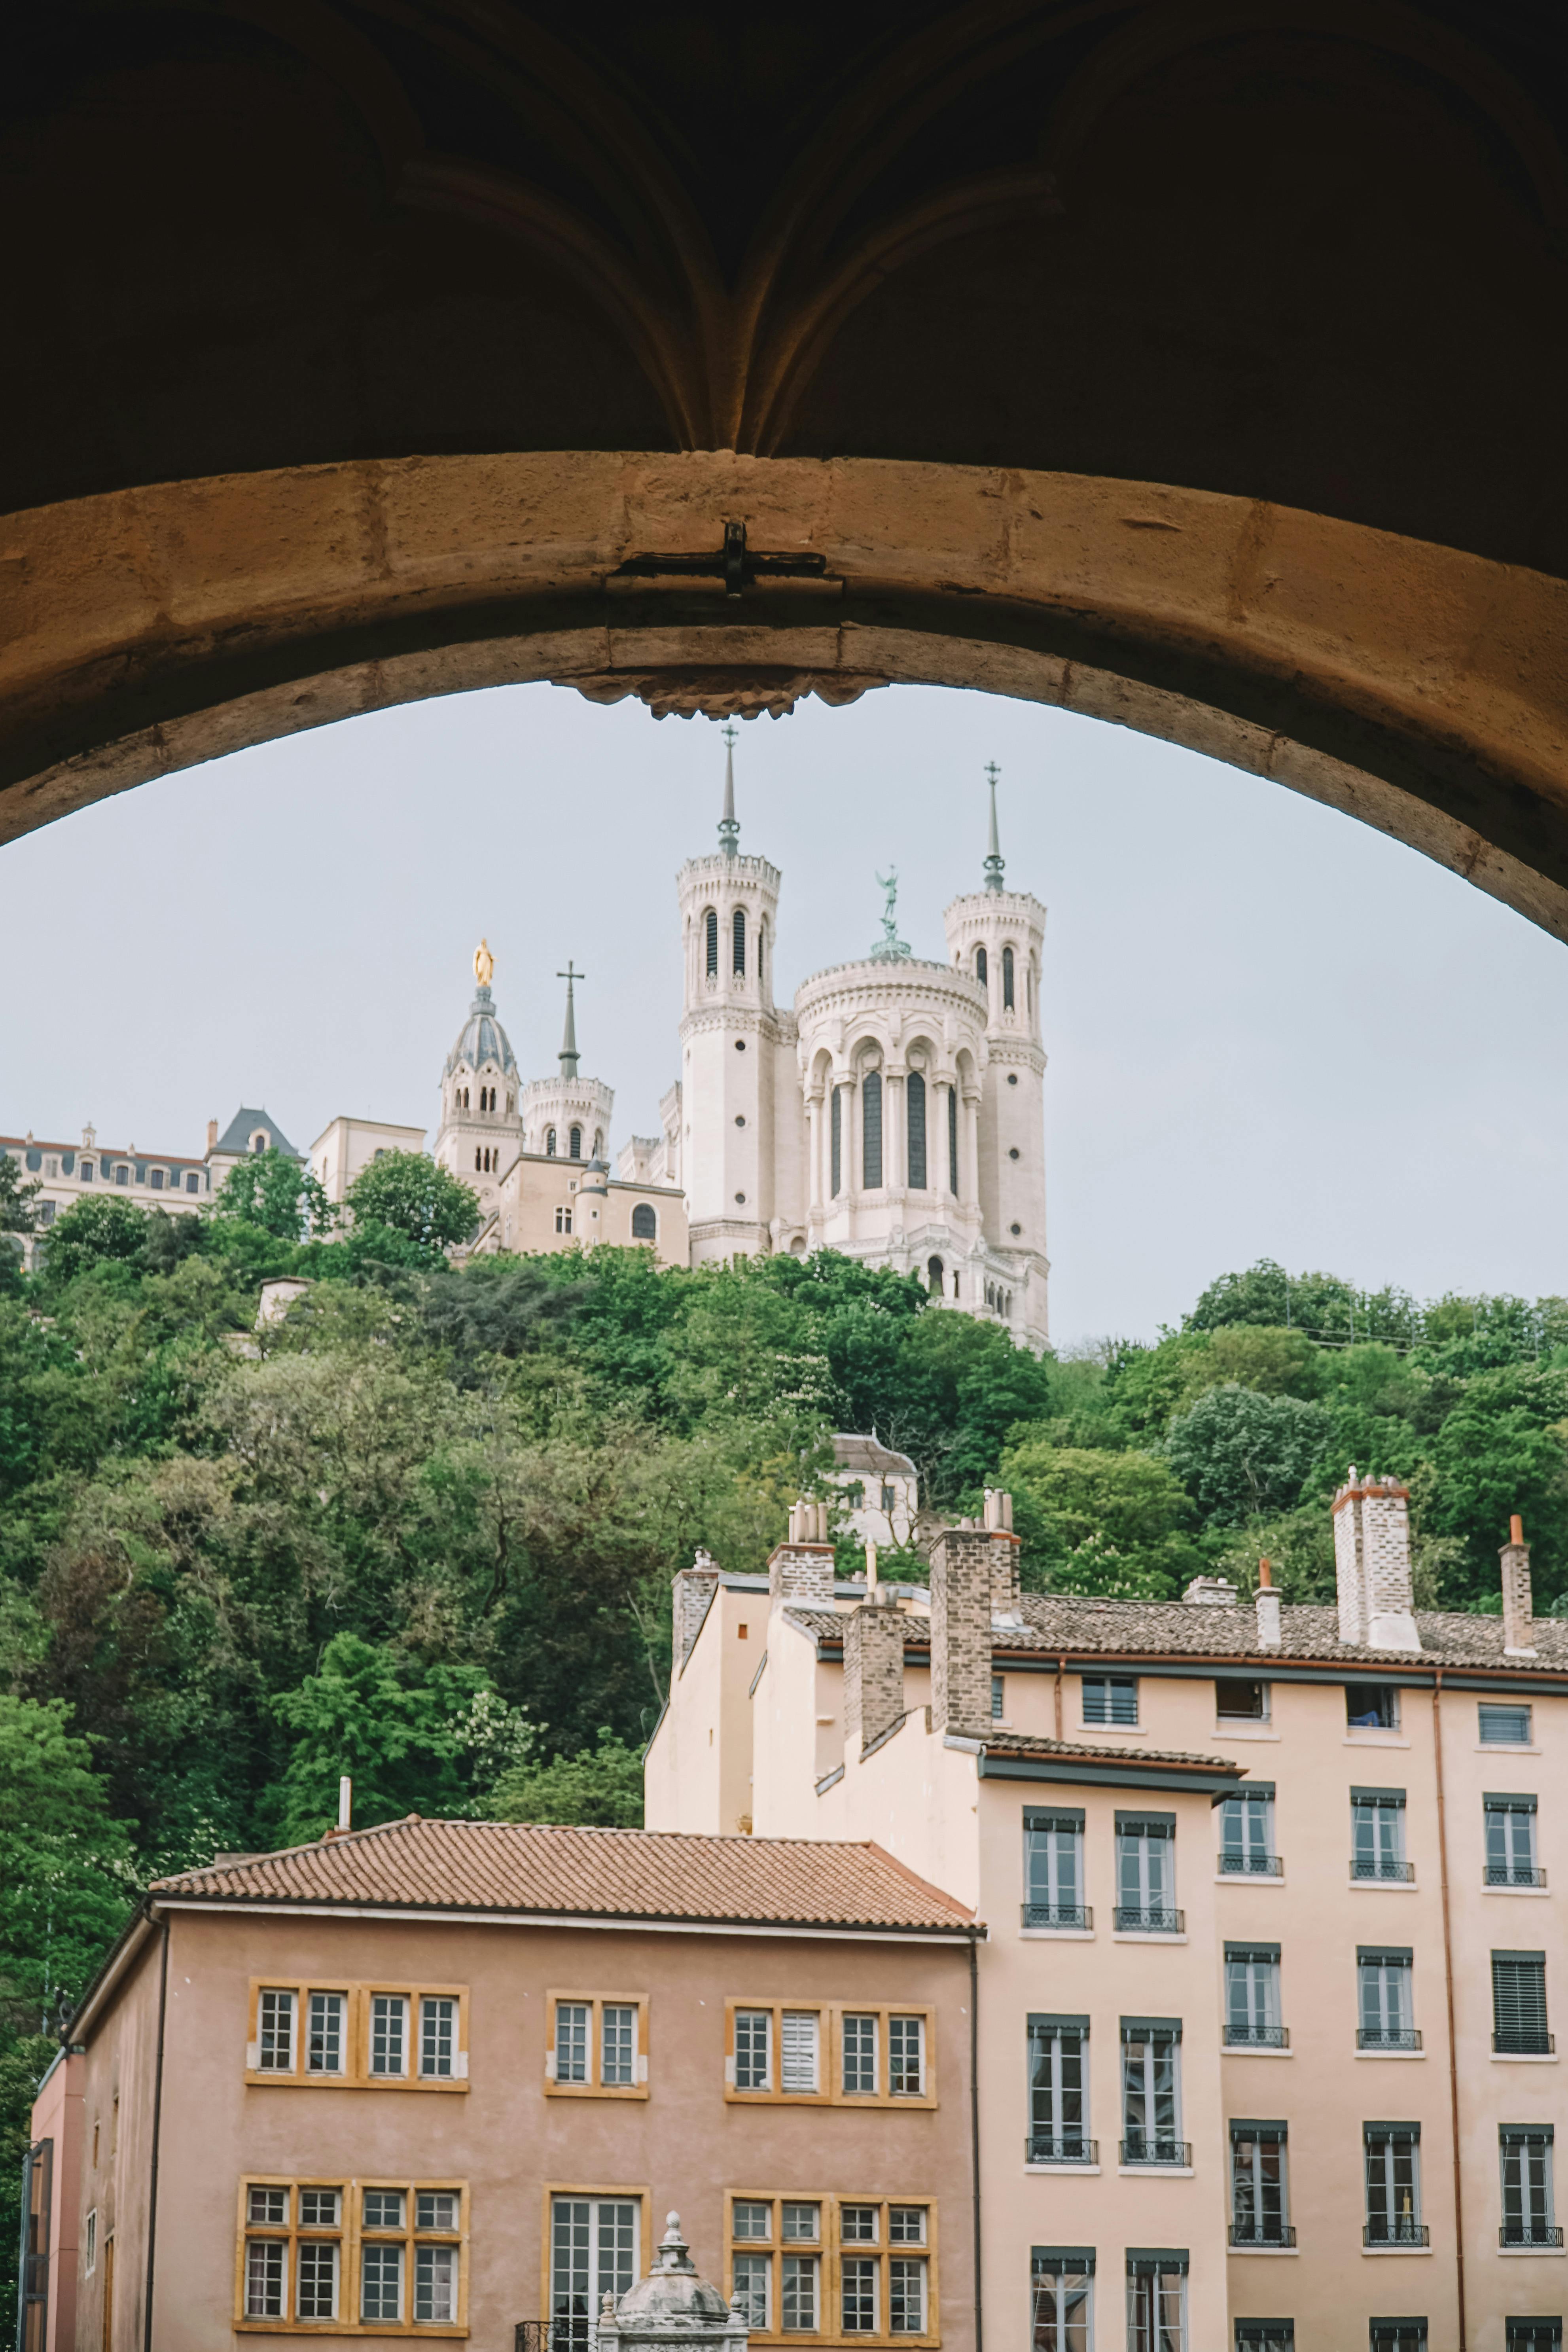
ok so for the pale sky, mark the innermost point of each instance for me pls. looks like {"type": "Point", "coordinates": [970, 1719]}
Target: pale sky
{"type": "Point", "coordinates": [1271, 1031]}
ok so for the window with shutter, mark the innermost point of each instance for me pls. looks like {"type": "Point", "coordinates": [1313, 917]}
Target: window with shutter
{"type": "Point", "coordinates": [798, 2039]}
{"type": "Point", "coordinates": [1518, 2003]}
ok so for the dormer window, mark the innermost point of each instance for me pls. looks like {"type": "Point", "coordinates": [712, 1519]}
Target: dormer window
{"type": "Point", "coordinates": [260, 1139]}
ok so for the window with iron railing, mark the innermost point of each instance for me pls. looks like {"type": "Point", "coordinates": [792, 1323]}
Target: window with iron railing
{"type": "Point", "coordinates": [1525, 2157]}
{"type": "Point", "coordinates": [1053, 1870]}
{"type": "Point", "coordinates": [1511, 1840]}
{"type": "Point", "coordinates": [1519, 2004]}
{"type": "Point", "coordinates": [1392, 2154]}
{"type": "Point", "coordinates": [1110, 1698]}
{"type": "Point", "coordinates": [1247, 1833]}
{"type": "Point", "coordinates": [1152, 2092]}
{"type": "Point", "coordinates": [1265, 2336]}
{"type": "Point", "coordinates": [1157, 2299]}
{"type": "Point", "coordinates": [1384, 1985]}
{"type": "Point", "coordinates": [1058, 2090]}
{"type": "Point", "coordinates": [1146, 1875]}
{"type": "Point", "coordinates": [1396, 2334]}
{"type": "Point", "coordinates": [1378, 1834]}
{"type": "Point", "coordinates": [1252, 1997]}
{"type": "Point", "coordinates": [1061, 2282]}
{"type": "Point", "coordinates": [1259, 2199]}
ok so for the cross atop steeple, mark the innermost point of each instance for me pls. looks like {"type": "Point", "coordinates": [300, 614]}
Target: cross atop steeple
{"type": "Point", "coordinates": [994, 861]}
{"type": "Point", "coordinates": [569, 1056]}
{"type": "Point", "coordinates": [728, 830]}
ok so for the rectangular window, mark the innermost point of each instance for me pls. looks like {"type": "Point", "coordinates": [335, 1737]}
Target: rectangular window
{"type": "Point", "coordinates": [89, 2244]}
{"type": "Point", "coordinates": [860, 2044]}
{"type": "Point", "coordinates": [1150, 2091]}
{"type": "Point", "coordinates": [437, 2033]}
{"type": "Point", "coordinates": [436, 2283]}
{"type": "Point", "coordinates": [388, 2033]}
{"type": "Point", "coordinates": [1525, 2152]}
{"type": "Point", "coordinates": [800, 2300]}
{"type": "Point", "coordinates": [1265, 2336]}
{"type": "Point", "coordinates": [383, 2208]}
{"type": "Point", "coordinates": [1393, 2186]}
{"type": "Point", "coordinates": [263, 2278]}
{"type": "Point", "coordinates": [275, 2019]}
{"type": "Point", "coordinates": [1053, 1870]}
{"type": "Point", "coordinates": [320, 2208]}
{"type": "Point", "coordinates": [1511, 1841]}
{"type": "Point", "coordinates": [870, 2258]}
{"type": "Point", "coordinates": [324, 2049]}
{"type": "Point", "coordinates": [618, 2042]}
{"type": "Point", "coordinates": [1378, 1834]}
{"type": "Point", "coordinates": [1235, 1701]}
{"type": "Point", "coordinates": [1252, 1997]}
{"type": "Point", "coordinates": [1061, 2289]}
{"type": "Point", "coordinates": [267, 2209]}
{"type": "Point", "coordinates": [753, 2049]}
{"type": "Point", "coordinates": [380, 2282]}
{"type": "Point", "coordinates": [751, 2279]}
{"type": "Point", "coordinates": [436, 2208]}
{"type": "Point", "coordinates": [857, 2278]}
{"type": "Point", "coordinates": [1146, 1875]}
{"type": "Point", "coordinates": [906, 2296]}
{"type": "Point", "coordinates": [872, 1129]}
{"type": "Point", "coordinates": [998, 1698]}
{"type": "Point", "coordinates": [1371, 1707]}
{"type": "Point", "coordinates": [593, 2252]}
{"type": "Point", "coordinates": [1259, 2202]}
{"type": "Point", "coordinates": [572, 2018]}
{"type": "Point", "coordinates": [1110, 1699]}
{"type": "Point", "coordinates": [316, 2295]}
{"type": "Point", "coordinates": [799, 2033]}
{"type": "Point", "coordinates": [1058, 2092]}
{"type": "Point", "coordinates": [1532, 2334]}
{"type": "Point", "coordinates": [1247, 1833]}
{"type": "Point", "coordinates": [1505, 1727]}
{"type": "Point", "coordinates": [598, 2045]}
{"type": "Point", "coordinates": [1518, 2003]}
{"type": "Point", "coordinates": [907, 2057]}
{"type": "Point", "coordinates": [1156, 2299]}
{"type": "Point", "coordinates": [751, 2218]}
{"type": "Point", "coordinates": [1396, 2334]}
{"type": "Point", "coordinates": [1385, 2007]}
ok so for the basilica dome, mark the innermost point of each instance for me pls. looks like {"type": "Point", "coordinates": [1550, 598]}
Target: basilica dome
{"type": "Point", "coordinates": [482, 1039]}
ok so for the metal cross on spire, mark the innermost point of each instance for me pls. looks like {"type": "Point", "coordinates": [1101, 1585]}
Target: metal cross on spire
{"type": "Point", "coordinates": [994, 860]}
{"type": "Point", "coordinates": [569, 1055]}
{"type": "Point", "coordinates": [728, 830]}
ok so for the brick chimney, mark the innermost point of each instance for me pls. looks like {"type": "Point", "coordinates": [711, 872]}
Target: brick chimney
{"type": "Point", "coordinates": [212, 1135]}
{"type": "Point", "coordinates": [1517, 1623]}
{"type": "Point", "coordinates": [802, 1568]}
{"type": "Point", "coordinates": [873, 1671]}
{"type": "Point", "coordinates": [1268, 1605]}
{"type": "Point", "coordinates": [694, 1590]}
{"type": "Point", "coordinates": [1372, 1563]}
{"type": "Point", "coordinates": [1004, 1559]}
{"type": "Point", "coordinates": [969, 1566]}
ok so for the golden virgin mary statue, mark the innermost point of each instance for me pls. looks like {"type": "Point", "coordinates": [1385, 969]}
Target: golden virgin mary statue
{"type": "Point", "coordinates": [484, 964]}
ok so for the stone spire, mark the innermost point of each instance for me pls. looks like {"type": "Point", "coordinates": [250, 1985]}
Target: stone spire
{"type": "Point", "coordinates": [994, 861]}
{"type": "Point", "coordinates": [569, 1056]}
{"type": "Point", "coordinates": [728, 826]}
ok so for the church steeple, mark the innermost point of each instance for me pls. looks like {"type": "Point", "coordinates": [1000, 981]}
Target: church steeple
{"type": "Point", "coordinates": [729, 828]}
{"type": "Point", "coordinates": [569, 1055]}
{"type": "Point", "coordinates": [994, 861]}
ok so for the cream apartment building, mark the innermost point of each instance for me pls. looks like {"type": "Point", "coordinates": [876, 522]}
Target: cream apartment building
{"type": "Point", "coordinates": [435, 2078]}
{"type": "Point", "coordinates": [1272, 1893]}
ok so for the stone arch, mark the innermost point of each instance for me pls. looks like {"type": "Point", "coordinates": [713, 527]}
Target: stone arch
{"type": "Point", "coordinates": [1418, 687]}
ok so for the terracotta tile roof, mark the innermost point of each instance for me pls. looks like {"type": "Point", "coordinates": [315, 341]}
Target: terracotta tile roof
{"type": "Point", "coordinates": [1142, 1629]}
{"type": "Point", "coordinates": [629, 1874]}
{"type": "Point", "coordinates": [1024, 1743]}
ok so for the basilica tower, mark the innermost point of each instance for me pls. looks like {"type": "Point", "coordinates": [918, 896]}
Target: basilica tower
{"type": "Point", "coordinates": [481, 1131]}
{"type": "Point", "coordinates": [729, 1036]}
{"type": "Point", "coordinates": [997, 936]}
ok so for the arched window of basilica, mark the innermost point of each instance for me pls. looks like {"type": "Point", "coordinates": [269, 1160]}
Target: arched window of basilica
{"type": "Point", "coordinates": [980, 967]}
{"type": "Point", "coordinates": [953, 1140]}
{"type": "Point", "coordinates": [835, 1143]}
{"type": "Point", "coordinates": [915, 1106]}
{"type": "Point", "coordinates": [1008, 1005]}
{"type": "Point", "coordinates": [934, 1270]}
{"type": "Point", "coordinates": [872, 1129]}
{"type": "Point", "coordinates": [711, 932]}
{"type": "Point", "coordinates": [762, 944]}
{"type": "Point", "coordinates": [956, 1282]}
{"type": "Point", "coordinates": [575, 1144]}
{"type": "Point", "coordinates": [550, 1143]}
{"type": "Point", "coordinates": [645, 1224]}
{"type": "Point", "coordinates": [738, 928]}
{"type": "Point", "coordinates": [598, 1143]}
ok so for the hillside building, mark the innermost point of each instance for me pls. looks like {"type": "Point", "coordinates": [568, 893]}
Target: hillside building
{"type": "Point", "coordinates": [173, 1182]}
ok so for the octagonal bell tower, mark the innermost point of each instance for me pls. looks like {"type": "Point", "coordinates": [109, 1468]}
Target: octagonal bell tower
{"type": "Point", "coordinates": [997, 936]}
{"type": "Point", "coordinates": [729, 1042]}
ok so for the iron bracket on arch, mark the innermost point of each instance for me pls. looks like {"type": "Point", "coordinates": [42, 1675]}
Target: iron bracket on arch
{"type": "Point", "coordinates": [733, 564]}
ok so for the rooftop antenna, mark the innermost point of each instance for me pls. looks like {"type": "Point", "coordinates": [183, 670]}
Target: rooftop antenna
{"type": "Point", "coordinates": [569, 1056]}
{"type": "Point", "coordinates": [994, 859]}
{"type": "Point", "coordinates": [729, 829]}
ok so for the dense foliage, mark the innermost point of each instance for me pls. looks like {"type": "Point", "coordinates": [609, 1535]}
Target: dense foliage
{"type": "Point", "coordinates": [421, 1528]}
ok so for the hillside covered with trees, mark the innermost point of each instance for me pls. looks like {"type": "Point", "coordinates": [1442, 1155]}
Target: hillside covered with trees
{"type": "Point", "coordinates": [422, 1528]}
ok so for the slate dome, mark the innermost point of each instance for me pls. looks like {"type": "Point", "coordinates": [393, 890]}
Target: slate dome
{"type": "Point", "coordinates": [482, 1039]}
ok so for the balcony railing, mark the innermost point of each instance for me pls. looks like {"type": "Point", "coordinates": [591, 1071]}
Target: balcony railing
{"type": "Point", "coordinates": [1387, 2037]}
{"type": "Point", "coordinates": [1139, 2149]}
{"type": "Point", "coordinates": [1524, 2040]}
{"type": "Point", "coordinates": [1378, 1867]}
{"type": "Point", "coordinates": [1143, 1919]}
{"type": "Point", "coordinates": [1040, 2148]}
{"type": "Point", "coordinates": [1264, 2233]}
{"type": "Point", "coordinates": [1396, 2231]}
{"type": "Point", "coordinates": [1515, 1873]}
{"type": "Point", "coordinates": [1251, 1865]}
{"type": "Point", "coordinates": [1257, 2037]}
{"type": "Point", "coordinates": [1057, 1914]}
{"type": "Point", "coordinates": [1529, 2234]}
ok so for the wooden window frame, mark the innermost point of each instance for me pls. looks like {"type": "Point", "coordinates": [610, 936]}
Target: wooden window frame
{"type": "Point", "coordinates": [831, 2052]}
{"type": "Point", "coordinates": [831, 2249]}
{"type": "Point", "coordinates": [596, 2003]}
{"type": "Point", "coordinates": [349, 2236]}
{"type": "Point", "coordinates": [549, 2192]}
{"type": "Point", "coordinates": [357, 2075]}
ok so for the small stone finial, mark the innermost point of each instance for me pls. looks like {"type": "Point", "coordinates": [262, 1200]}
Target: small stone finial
{"type": "Point", "coordinates": [729, 828]}
{"type": "Point", "coordinates": [674, 2254]}
{"type": "Point", "coordinates": [607, 2306]}
{"type": "Point", "coordinates": [484, 963]}
{"type": "Point", "coordinates": [569, 1053]}
{"type": "Point", "coordinates": [994, 859]}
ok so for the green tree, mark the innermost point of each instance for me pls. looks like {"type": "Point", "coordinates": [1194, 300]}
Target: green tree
{"type": "Point", "coordinates": [65, 1880]}
{"type": "Point", "coordinates": [408, 1194]}
{"type": "Point", "coordinates": [1094, 1521]}
{"type": "Point", "coordinates": [100, 1228]}
{"type": "Point", "coordinates": [18, 1211]}
{"type": "Point", "coordinates": [277, 1194]}
{"type": "Point", "coordinates": [602, 1787]}
{"type": "Point", "coordinates": [1239, 1452]}
{"type": "Point", "coordinates": [396, 1727]}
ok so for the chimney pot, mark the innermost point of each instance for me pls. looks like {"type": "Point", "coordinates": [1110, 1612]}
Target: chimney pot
{"type": "Point", "coordinates": [1265, 1575]}
{"type": "Point", "coordinates": [1516, 1529]}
